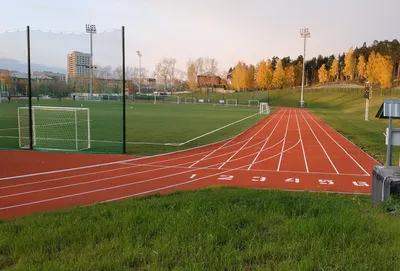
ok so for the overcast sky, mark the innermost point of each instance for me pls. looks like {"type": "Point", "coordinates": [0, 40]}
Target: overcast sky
{"type": "Point", "coordinates": [227, 30]}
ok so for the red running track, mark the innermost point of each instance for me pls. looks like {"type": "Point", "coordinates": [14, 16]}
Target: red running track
{"type": "Point", "coordinates": [290, 149]}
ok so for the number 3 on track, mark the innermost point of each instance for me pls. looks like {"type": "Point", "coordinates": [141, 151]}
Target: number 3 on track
{"type": "Point", "coordinates": [259, 179]}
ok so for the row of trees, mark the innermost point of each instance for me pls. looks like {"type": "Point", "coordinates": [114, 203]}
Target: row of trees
{"type": "Point", "coordinates": [377, 69]}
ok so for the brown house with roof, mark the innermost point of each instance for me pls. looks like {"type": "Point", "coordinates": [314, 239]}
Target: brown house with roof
{"type": "Point", "coordinates": [208, 79]}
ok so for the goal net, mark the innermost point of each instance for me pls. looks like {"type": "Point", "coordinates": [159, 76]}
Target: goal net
{"type": "Point", "coordinates": [254, 103]}
{"type": "Point", "coordinates": [264, 108]}
{"type": "Point", "coordinates": [231, 102]}
{"type": "Point", "coordinates": [55, 128]}
{"type": "Point", "coordinates": [189, 100]}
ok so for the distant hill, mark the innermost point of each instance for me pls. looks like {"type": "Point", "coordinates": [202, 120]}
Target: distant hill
{"type": "Point", "coordinates": [15, 65]}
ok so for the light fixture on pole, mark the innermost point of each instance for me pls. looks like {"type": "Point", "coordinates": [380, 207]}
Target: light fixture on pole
{"type": "Point", "coordinates": [91, 29]}
{"type": "Point", "coordinates": [140, 68]}
{"type": "Point", "coordinates": [304, 33]}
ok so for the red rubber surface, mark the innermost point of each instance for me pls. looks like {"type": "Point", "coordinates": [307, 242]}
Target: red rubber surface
{"type": "Point", "coordinates": [290, 149]}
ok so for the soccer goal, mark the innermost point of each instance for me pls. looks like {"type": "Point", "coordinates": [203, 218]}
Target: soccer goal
{"type": "Point", "coordinates": [254, 102]}
{"type": "Point", "coordinates": [264, 108]}
{"type": "Point", "coordinates": [55, 128]}
{"type": "Point", "coordinates": [190, 100]}
{"type": "Point", "coordinates": [231, 102]}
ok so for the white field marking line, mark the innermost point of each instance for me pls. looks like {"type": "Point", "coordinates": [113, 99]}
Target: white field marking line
{"type": "Point", "coordinates": [135, 173]}
{"type": "Point", "coordinates": [320, 143]}
{"type": "Point", "coordinates": [244, 145]}
{"type": "Point", "coordinates": [112, 187]}
{"type": "Point", "coordinates": [265, 142]}
{"type": "Point", "coordinates": [354, 160]}
{"type": "Point", "coordinates": [302, 145]}
{"type": "Point", "coordinates": [172, 159]}
{"type": "Point", "coordinates": [266, 170]}
{"type": "Point", "coordinates": [43, 125]}
{"type": "Point", "coordinates": [349, 141]}
{"type": "Point", "coordinates": [284, 141]}
{"type": "Point", "coordinates": [122, 161]}
{"type": "Point", "coordinates": [216, 130]}
{"type": "Point", "coordinates": [68, 177]}
{"type": "Point", "coordinates": [118, 176]}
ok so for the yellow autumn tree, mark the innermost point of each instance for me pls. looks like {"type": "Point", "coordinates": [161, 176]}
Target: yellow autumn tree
{"type": "Point", "coordinates": [385, 71]}
{"type": "Point", "coordinates": [362, 67]}
{"type": "Point", "coordinates": [250, 76]}
{"type": "Point", "coordinates": [333, 71]}
{"type": "Point", "coordinates": [239, 76]}
{"type": "Point", "coordinates": [191, 75]}
{"type": "Point", "coordinates": [349, 64]}
{"type": "Point", "coordinates": [379, 70]}
{"type": "Point", "coordinates": [372, 73]}
{"type": "Point", "coordinates": [323, 74]}
{"type": "Point", "coordinates": [290, 75]}
{"type": "Point", "coordinates": [279, 77]}
{"type": "Point", "coordinates": [261, 77]}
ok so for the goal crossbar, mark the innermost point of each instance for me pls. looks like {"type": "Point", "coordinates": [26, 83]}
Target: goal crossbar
{"type": "Point", "coordinates": [264, 108]}
{"type": "Point", "coordinates": [231, 102]}
{"type": "Point", "coordinates": [55, 128]}
{"type": "Point", "coordinates": [254, 102]}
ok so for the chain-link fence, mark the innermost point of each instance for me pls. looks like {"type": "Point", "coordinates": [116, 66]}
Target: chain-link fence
{"type": "Point", "coordinates": [63, 91]}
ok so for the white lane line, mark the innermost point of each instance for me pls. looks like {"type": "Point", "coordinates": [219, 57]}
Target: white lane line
{"type": "Point", "coordinates": [241, 148]}
{"type": "Point", "coordinates": [111, 188]}
{"type": "Point", "coordinates": [354, 160]}
{"type": "Point", "coordinates": [302, 145]}
{"type": "Point", "coordinates": [123, 161]}
{"type": "Point", "coordinates": [312, 131]}
{"type": "Point", "coordinates": [265, 143]}
{"type": "Point", "coordinates": [284, 142]}
{"type": "Point", "coordinates": [127, 163]}
{"type": "Point", "coordinates": [216, 130]}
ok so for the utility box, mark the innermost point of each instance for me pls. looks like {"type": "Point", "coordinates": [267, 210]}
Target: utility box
{"type": "Point", "coordinates": [385, 183]}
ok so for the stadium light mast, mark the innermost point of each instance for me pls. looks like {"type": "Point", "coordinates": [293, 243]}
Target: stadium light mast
{"type": "Point", "coordinates": [140, 68]}
{"type": "Point", "coordinates": [304, 33]}
{"type": "Point", "coordinates": [91, 29]}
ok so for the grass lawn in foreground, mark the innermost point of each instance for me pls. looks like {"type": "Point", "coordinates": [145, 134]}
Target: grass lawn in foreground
{"type": "Point", "coordinates": [212, 229]}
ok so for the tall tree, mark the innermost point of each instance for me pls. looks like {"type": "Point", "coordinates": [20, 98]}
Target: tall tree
{"type": "Point", "coordinates": [261, 77]}
{"type": "Point", "coordinates": [191, 75]}
{"type": "Point", "coordinates": [361, 67]}
{"type": "Point", "coordinates": [239, 76]}
{"type": "Point", "coordinates": [290, 75]}
{"type": "Point", "coordinates": [165, 71]}
{"type": "Point", "coordinates": [279, 78]}
{"type": "Point", "coordinates": [323, 74]}
{"type": "Point", "coordinates": [250, 76]}
{"type": "Point", "coordinates": [334, 70]}
{"type": "Point", "coordinates": [349, 64]}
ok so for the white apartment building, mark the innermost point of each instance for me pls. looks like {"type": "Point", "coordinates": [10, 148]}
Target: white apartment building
{"type": "Point", "coordinates": [79, 64]}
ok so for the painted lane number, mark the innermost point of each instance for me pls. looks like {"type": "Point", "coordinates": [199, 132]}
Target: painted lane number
{"type": "Point", "coordinates": [292, 180]}
{"type": "Point", "coordinates": [259, 179]}
{"type": "Point", "coordinates": [328, 182]}
{"type": "Point", "coordinates": [360, 183]}
{"type": "Point", "coordinates": [225, 178]}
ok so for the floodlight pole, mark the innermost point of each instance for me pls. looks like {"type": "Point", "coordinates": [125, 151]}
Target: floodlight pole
{"type": "Point", "coordinates": [140, 68]}
{"type": "Point", "coordinates": [91, 29]}
{"type": "Point", "coordinates": [304, 33]}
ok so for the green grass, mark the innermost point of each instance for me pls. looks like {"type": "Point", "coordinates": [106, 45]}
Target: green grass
{"type": "Point", "coordinates": [212, 229]}
{"type": "Point", "coordinates": [146, 122]}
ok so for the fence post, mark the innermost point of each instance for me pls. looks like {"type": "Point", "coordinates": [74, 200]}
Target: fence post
{"type": "Point", "coordinates": [123, 93]}
{"type": "Point", "coordinates": [28, 39]}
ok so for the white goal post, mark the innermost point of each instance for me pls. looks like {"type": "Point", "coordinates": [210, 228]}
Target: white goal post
{"type": "Point", "coordinates": [232, 102]}
{"type": "Point", "coordinates": [190, 100]}
{"type": "Point", "coordinates": [264, 108]}
{"type": "Point", "coordinates": [55, 128]}
{"type": "Point", "coordinates": [254, 102]}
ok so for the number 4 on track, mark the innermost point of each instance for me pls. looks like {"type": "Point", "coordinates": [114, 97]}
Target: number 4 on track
{"type": "Point", "coordinates": [330, 182]}
{"type": "Point", "coordinates": [359, 183]}
{"type": "Point", "coordinates": [292, 180]}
